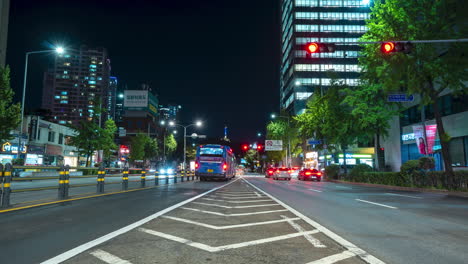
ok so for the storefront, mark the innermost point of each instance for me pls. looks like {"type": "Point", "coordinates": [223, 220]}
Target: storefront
{"type": "Point", "coordinates": [352, 159]}
{"type": "Point", "coordinates": [70, 158]}
{"type": "Point", "coordinates": [9, 151]}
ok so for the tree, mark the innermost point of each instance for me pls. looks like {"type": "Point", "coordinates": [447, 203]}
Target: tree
{"type": "Point", "coordinates": [171, 144]}
{"type": "Point", "coordinates": [372, 112]}
{"type": "Point", "coordinates": [151, 148]}
{"type": "Point", "coordinates": [88, 139]}
{"type": "Point", "coordinates": [429, 69]}
{"type": "Point", "coordinates": [108, 135]}
{"type": "Point", "coordinates": [10, 114]}
{"type": "Point", "coordinates": [137, 146]}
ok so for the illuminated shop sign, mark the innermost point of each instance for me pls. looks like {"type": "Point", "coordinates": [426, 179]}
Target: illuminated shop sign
{"type": "Point", "coordinates": [8, 147]}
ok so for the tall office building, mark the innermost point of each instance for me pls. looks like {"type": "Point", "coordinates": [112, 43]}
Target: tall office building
{"type": "Point", "coordinates": [4, 15]}
{"type": "Point", "coordinates": [112, 98]}
{"type": "Point", "coordinates": [78, 78]}
{"type": "Point", "coordinates": [323, 21]}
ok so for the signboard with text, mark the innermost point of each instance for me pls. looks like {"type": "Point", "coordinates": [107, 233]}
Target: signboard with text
{"type": "Point", "coordinates": [135, 99]}
{"type": "Point", "coordinates": [273, 145]}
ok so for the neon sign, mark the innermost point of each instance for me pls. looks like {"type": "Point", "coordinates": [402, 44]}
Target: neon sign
{"type": "Point", "coordinates": [8, 147]}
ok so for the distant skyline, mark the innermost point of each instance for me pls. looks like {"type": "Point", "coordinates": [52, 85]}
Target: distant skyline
{"type": "Point", "coordinates": [219, 60]}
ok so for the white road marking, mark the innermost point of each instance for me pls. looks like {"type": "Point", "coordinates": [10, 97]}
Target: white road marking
{"type": "Point", "coordinates": [232, 195]}
{"type": "Point", "coordinates": [108, 257]}
{"type": "Point", "coordinates": [344, 187]}
{"type": "Point", "coordinates": [404, 195]}
{"type": "Point", "coordinates": [241, 214]}
{"type": "Point", "coordinates": [343, 242]}
{"type": "Point", "coordinates": [221, 248]}
{"type": "Point", "coordinates": [80, 249]}
{"type": "Point", "coordinates": [236, 201]}
{"type": "Point", "coordinates": [233, 198]}
{"type": "Point", "coordinates": [237, 207]}
{"type": "Point", "coordinates": [258, 194]}
{"type": "Point", "coordinates": [314, 190]}
{"type": "Point", "coordinates": [379, 204]}
{"type": "Point", "coordinates": [315, 242]}
{"type": "Point", "coordinates": [334, 258]}
{"type": "Point", "coordinates": [229, 226]}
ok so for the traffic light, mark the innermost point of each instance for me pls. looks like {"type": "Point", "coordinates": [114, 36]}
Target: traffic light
{"type": "Point", "coordinates": [390, 47]}
{"type": "Point", "coordinates": [245, 147]}
{"type": "Point", "coordinates": [315, 47]}
{"type": "Point", "coordinates": [259, 147]}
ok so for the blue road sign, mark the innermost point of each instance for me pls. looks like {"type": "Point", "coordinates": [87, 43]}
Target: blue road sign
{"type": "Point", "coordinates": [400, 98]}
{"type": "Point", "coordinates": [314, 142]}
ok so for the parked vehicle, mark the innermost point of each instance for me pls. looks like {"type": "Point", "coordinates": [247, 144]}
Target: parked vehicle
{"type": "Point", "coordinates": [282, 173]}
{"type": "Point", "coordinates": [309, 174]}
{"type": "Point", "coordinates": [215, 162]}
{"type": "Point", "coordinates": [270, 172]}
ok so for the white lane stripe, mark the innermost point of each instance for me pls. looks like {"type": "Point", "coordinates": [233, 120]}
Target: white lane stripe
{"type": "Point", "coordinates": [221, 248]}
{"type": "Point", "coordinates": [334, 258]}
{"type": "Point", "coordinates": [234, 193]}
{"type": "Point", "coordinates": [240, 214]}
{"type": "Point", "coordinates": [234, 198]}
{"type": "Point", "coordinates": [404, 195]}
{"type": "Point", "coordinates": [314, 190]}
{"type": "Point", "coordinates": [256, 201]}
{"type": "Point", "coordinates": [237, 207]}
{"type": "Point", "coordinates": [343, 242]}
{"type": "Point", "coordinates": [257, 194]}
{"type": "Point", "coordinates": [108, 257]}
{"type": "Point", "coordinates": [379, 204]}
{"type": "Point", "coordinates": [80, 249]}
{"type": "Point", "coordinates": [229, 226]}
{"type": "Point", "coordinates": [315, 242]}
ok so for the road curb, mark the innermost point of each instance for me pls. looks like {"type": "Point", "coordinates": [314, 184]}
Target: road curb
{"type": "Point", "coordinates": [402, 188]}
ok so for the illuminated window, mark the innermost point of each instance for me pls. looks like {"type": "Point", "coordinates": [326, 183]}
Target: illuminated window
{"type": "Point", "coordinates": [99, 78]}
{"type": "Point", "coordinates": [302, 95]}
{"type": "Point", "coordinates": [64, 93]}
{"type": "Point", "coordinates": [64, 102]}
{"type": "Point", "coordinates": [92, 66]}
{"type": "Point", "coordinates": [67, 64]}
{"type": "Point", "coordinates": [307, 15]}
{"type": "Point", "coordinates": [331, 3]}
{"type": "Point", "coordinates": [57, 97]}
{"type": "Point", "coordinates": [306, 40]}
{"type": "Point", "coordinates": [306, 2]}
{"type": "Point", "coordinates": [92, 82]}
{"type": "Point", "coordinates": [306, 28]}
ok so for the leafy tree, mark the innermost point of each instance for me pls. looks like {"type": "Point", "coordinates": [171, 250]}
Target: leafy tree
{"type": "Point", "coordinates": [250, 157]}
{"type": "Point", "coordinates": [88, 139]}
{"type": "Point", "coordinates": [429, 69]}
{"type": "Point", "coordinates": [288, 133]}
{"type": "Point", "coordinates": [171, 144]}
{"type": "Point", "coordinates": [151, 148]}
{"type": "Point", "coordinates": [10, 114]}
{"type": "Point", "coordinates": [108, 135]}
{"type": "Point", "coordinates": [191, 153]}
{"type": "Point", "coordinates": [137, 146]}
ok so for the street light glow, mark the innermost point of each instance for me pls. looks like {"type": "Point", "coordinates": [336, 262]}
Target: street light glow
{"type": "Point", "coordinates": [259, 134]}
{"type": "Point", "coordinates": [121, 96]}
{"type": "Point", "coordinates": [273, 116]}
{"type": "Point", "coordinates": [59, 50]}
{"type": "Point", "coordinates": [162, 122]}
{"type": "Point", "coordinates": [174, 132]}
{"type": "Point", "coordinates": [171, 123]}
{"type": "Point", "coordinates": [198, 123]}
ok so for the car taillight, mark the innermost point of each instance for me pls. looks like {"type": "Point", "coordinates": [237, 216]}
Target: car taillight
{"type": "Point", "coordinates": [224, 166]}
{"type": "Point", "coordinates": [319, 174]}
{"type": "Point", "coordinates": [308, 173]}
{"type": "Point", "coordinates": [290, 171]}
{"type": "Point", "coordinates": [197, 165]}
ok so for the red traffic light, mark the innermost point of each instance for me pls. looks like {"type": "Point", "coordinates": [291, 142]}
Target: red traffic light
{"type": "Point", "coordinates": [245, 147]}
{"type": "Point", "coordinates": [312, 47]}
{"type": "Point", "coordinates": [388, 47]}
{"type": "Point", "coordinates": [259, 147]}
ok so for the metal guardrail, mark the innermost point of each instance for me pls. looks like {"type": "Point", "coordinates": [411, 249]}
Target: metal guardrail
{"type": "Point", "coordinates": [64, 182]}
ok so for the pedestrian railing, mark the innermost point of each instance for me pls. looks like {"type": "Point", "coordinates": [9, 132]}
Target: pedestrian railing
{"type": "Point", "coordinates": [65, 178]}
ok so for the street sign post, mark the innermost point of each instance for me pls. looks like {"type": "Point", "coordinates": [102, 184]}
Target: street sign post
{"type": "Point", "coordinates": [400, 98]}
{"type": "Point", "coordinates": [273, 145]}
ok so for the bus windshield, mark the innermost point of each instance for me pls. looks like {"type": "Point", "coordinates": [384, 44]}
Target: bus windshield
{"type": "Point", "coordinates": [211, 152]}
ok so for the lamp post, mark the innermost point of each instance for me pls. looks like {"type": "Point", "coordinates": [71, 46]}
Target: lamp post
{"type": "Point", "coordinates": [273, 116]}
{"type": "Point", "coordinates": [198, 124]}
{"type": "Point", "coordinates": [58, 50]}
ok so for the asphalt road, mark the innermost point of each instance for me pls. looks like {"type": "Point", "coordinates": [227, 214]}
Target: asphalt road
{"type": "Point", "coordinates": [251, 220]}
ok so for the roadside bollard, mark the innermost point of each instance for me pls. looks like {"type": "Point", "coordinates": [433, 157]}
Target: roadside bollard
{"type": "Point", "coordinates": [143, 178]}
{"type": "Point", "coordinates": [125, 179]}
{"type": "Point", "coordinates": [156, 178]}
{"type": "Point", "coordinates": [175, 178]}
{"type": "Point", "coordinates": [184, 173]}
{"type": "Point", "coordinates": [64, 177]}
{"type": "Point", "coordinates": [1, 183]}
{"type": "Point", "coordinates": [6, 186]}
{"type": "Point", "coordinates": [67, 182]}
{"type": "Point", "coordinates": [100, 180]}
{"type": "Point", "coordinates": [167, 179]}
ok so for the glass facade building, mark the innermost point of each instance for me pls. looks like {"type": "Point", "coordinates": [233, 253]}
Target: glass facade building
{"type": "Point", "coordinates": [323, 21]}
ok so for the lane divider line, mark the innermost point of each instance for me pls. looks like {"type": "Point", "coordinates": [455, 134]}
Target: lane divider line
{"type": "Point", "coordinates": [338, 239]}
{"type": "Point", "coordinates": [210, 199]}
{"type": "Point", "coordinates": [221, 248]}
{"type": "Point", "coordinates": [257, 194]}
{"type": "Point", "coordinates": [229, 226]}
{"type": "Point", "coordinates": [315, 242]}
{"type": "Point", "coordinates": [379, 204]}
{"type": "Point", "coordinates": [334, 258]}
{"type": "Point", "coordinates": [314, 190]}
{"type": "Point", "coordinates": [236, 207]}
{"type": "Point", "coordinates": [240, 214]}
{"type": "Point", "coordinates": [404, 195]}
{"type": "Point", "coordinates": [108, 257]}
{"type": "Point", "coordinates": [80, 249]}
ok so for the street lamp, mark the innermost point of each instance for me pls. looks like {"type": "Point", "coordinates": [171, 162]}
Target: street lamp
{"type": "Point", "coordinates": [259, 134]}
{"type": "Point", "coordinates": [273, 116]}
{"type": "Point", "coordinates": [121, 96]}
{"type": "Point", "coordinates": [174, 132]}
{"type": "Point", "coordinates": [198, 124]}
{"type": "Point", "coordinates": [162, 122]}
{"type": "Point", "coordinates": [57, 50]}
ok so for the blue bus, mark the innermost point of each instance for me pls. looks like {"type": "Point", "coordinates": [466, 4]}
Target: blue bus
{"type": "Point", "coordinates": [215, 162]}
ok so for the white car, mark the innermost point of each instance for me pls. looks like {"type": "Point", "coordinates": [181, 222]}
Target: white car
{"type": "Point", "coordinates": [282, 173]}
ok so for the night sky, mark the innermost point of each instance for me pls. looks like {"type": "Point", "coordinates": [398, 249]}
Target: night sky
{"type": "Point", "coordinates": [218, 59]}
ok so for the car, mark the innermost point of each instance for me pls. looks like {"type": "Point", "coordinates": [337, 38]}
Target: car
{"type": "Point", "coordinates": [309, 174]}
{"type": "Point", "coordinates": [166, 171]}
{"type": "Point", "coordinates": [295, 172]}
{"type": "Point", "coordinates": [282, 173]}
{"type": "Point", "coordinates": [270, 172]}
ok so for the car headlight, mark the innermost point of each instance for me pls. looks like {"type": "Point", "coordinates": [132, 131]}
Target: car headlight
{"type": "Point", "coordinates": [170, 171]}
{"type": "Point", "coordinates": [162, 171]}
